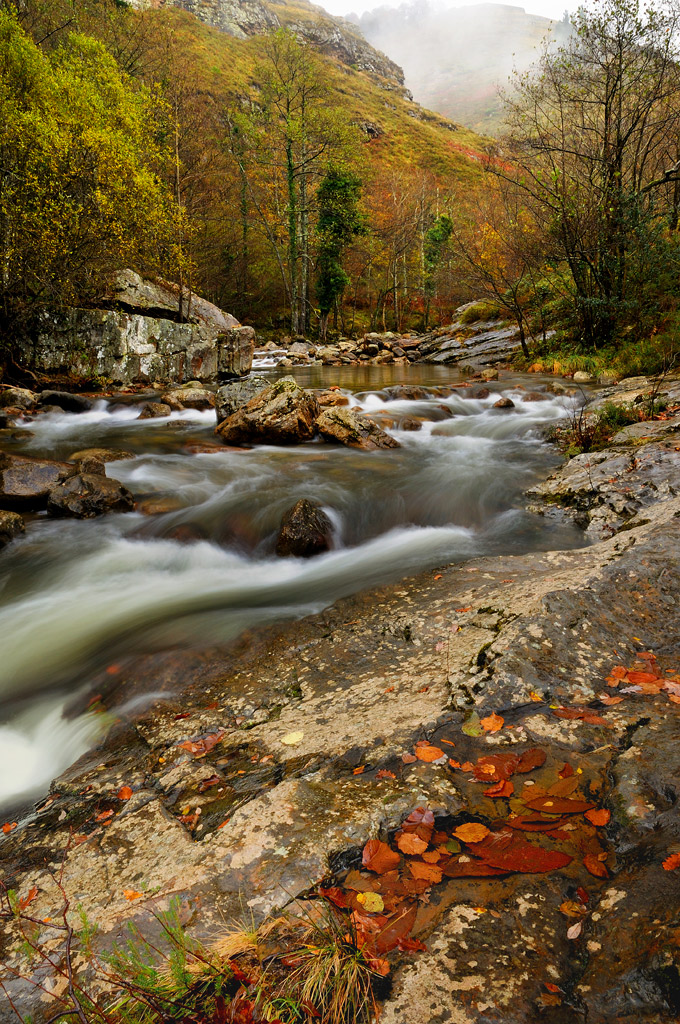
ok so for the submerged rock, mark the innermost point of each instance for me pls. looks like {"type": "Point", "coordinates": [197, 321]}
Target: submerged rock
{"type": "Point", "coordinates": [26, 482]}
{"type": "Point", "coordinates": [11, 526]}
{"type": "Point", "coordinates": [87, 495]}
{"type": "Point", "coordinates": [305, 531]}
{"type": "Point", "coordinates": [346, 427]}
{"type": "Point", "coordinates": [283, 413]}
{"type": "Point", "coordinates": [231, 397]}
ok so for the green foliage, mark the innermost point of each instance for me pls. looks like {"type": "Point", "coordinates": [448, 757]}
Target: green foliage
{"type": "Point", "coordinates": [80, 194]}
{"type": "Point", "coordinates": [479, 311]}
{"type": "Point", "coordinates": [339, 220]}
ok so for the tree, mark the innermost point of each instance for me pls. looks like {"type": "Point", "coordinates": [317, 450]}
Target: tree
{"type": "Point", "coordinates": [80, 194]}
{"type": "Point", "coordinates": [338, 222]}
{"type": "Point", "coordinates": [593, 145]}
{"type": "Point", "coordinates": [436, 239]}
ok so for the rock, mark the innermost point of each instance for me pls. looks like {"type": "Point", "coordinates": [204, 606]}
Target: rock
{"type": "Point", "coordinates": [328, 399]}
{"type": "Point", "coordinates": [410, 423]}
{"type": "Point", "coordinates": [65, 400]}
{"type": "Point", "coordinates": [25, 482]}
{"type": "Point", "coordinates": [328, 355]}
{"type": "Point", "coordinates": [91, 464]}
{"type": "Point", "coordinates": [476, 392]}
{"type": "Point", "coordinates": [398, 352]}
{"type": "Point", "coordinates": [11, 525]}
{"type": "Point", "coordinates": [189, 398]}
{"type": "Point", "coordinates": [86, 495]}
{"type": "Point", "coordinates": [606, 379]}
{"type": "Point", "coordinates": [230, 397]}
{"type": "Point", "coordinates": [581, 377]}
{"type": "Point", "coordinates": [410, 392]}
{"type": "Point", "coordinates": [305, 531]}
{"type": "Point", "coordinates": [283, 413]}
{"type": "Point", "coordinates": [155, 410]}
{"type": "Point", "coordinates": [17, 398]}
{"type": "Point", "coordinates": [103, 454]}
{"type": "Point", "coordinates": [489, 374]}
{"type": "Point", "coordinates": [555, 387]}
{"type": "Point", "coordinates": [504, 403]}
{"type": "Point", "coordinates": [535, 396]}
{"type": "Point", "coordinates": [352, 430]}
{"type": "Point", "coordinates": [135, 294]}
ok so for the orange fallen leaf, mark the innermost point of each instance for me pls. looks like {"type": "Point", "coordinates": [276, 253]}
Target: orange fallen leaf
{"type": "Point", "coordinates": [130, 894]}
{"type": "Point", "coordinates": [409, 842]}
{"type": "Point", "coordinates": [385, 774]}
{"type": "Point", "coordinates": [672, 862]}
{"type": "Point", "coordinates": [467, 766]}
{"type": "Point", "coordinates": [594, 865]}
{"type": "Point", "coordinates": [504, 788]}
{"type": "Point", "coordinates": [492, 723]}
{"type": "Point", "coordinates": [28, 898]}
{"type": "Point", "coordinates": [360, 770]}
{"type": "Point", "coordinates": [426, 752]}
{"type": "Point", "coordinates": [9, 826]}
{"type": "Point", "coordinates": [409, 758]}
{"type": "Point", "coordinates": [425, 872]}
{"type": "Point", "coordinates": [432, 856]}
{"type": "Point", "coordinates": [378, 857]}
{"type": "Point", "coordinates": [124, 793]}
{"type": "Point", "coordinates": [601, 816]}
{"type": "Point", "coordinates": [606, 699]}
{"type": "Point", "coordinates": [103, 816]}
{"type": "Point", "coordinates": [438, 577]}
{"type": "Point", "coordinates": [390, 689]}
{"type": "Point", "coordinates": [461, 610]}
{"type": "Point", "coordinates": [471, 832]}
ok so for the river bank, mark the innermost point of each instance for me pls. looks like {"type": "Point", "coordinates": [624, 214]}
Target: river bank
{"type": "Point", "coordinates": [305, 727]}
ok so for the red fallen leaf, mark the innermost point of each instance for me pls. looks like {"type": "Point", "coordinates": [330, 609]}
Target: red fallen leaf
{"type": "Point", "coordinates": [427, 752]}
{"type": "Point", "coordinates": [407, 945]}
{"type": "Point", "coordinates": [550, 987]}
{"type": "Point", "coordinates": [190, 820]}
{"type": "Point", "coordinates": [409, 758]}
{"type": "Point", "coordinates": [600, 816]}
{"type": "Point", "coordinates": [470, 867]}
{"type": "Point", "coordinates": [640, 678]}
{"type": "Point", "coordinates": [112, 670]}
{"type": "Point", "coordinates": [103, 816]}
{"type": "Point", "coordinates": [208, 783]}
{"type": "Point", "coordinates": [124, 793]}
{"type": "Point", "coordinates": [396, 928]}
{"type": "Point", "coordinates": [421, 822]}
{"type": "Point", "coordinates": [377, 965]}
{"type": "Point", "coordinates": [583, 895]}
{"type": "Point", "coordinates": [505, 850]}
{"type": "Point", "coordinates": [336, 895]}
{"type": "Point", "coordinates": [461, 610]}
{"type": "Point", "coordinates": [426, 872]}
{"type": "Point", "coordinates": [606, 699]}
{"type": "Point", "coordinates": [594, 865]}
{"type": "Point", "coordinates": [581, 714]}
{"type": "Point", "coordinates": [672, 862]}
{"type": "Point", "coordinates": [408, 842]}
{"type": "Point", "coordinates": [181, 715]}
{"type": "Point", "coordinates": [28, 898]}
{"type": "Point", "coordinates": [496, 767]}
{"type": "Point", "coordinates": [9, 826]}
{"type": "Point", "coordinates": [200, 747]}
{"type": "Point", "coordinates": [532, 758]}
{"type": "Point", "coordinates": [558, 805]}
{"type": "Point", "coordinates": [384, 774]}
{"type": "Point", "coordinates": [378, 857]}
{"type": "Point", "coordinates": [534, 823]}
{"type": "Point", "coordinates": [567, 771]}
{"type": "Point", "coordinates": [646, 656]}
{"type": "Point", "coordinates": [564, 787]}
{"type": "Point", "coordinates": [616, 675]}
{"type": "Point", "coordinates": [501, 789]}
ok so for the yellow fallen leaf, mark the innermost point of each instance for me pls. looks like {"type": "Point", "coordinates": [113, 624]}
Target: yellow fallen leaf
{"type": "Point", "coordinates": [471, 832]}
{"type": "Point", "coordinates": [292, 738]}
{"type": "Point", "coordinates": [371, 901]}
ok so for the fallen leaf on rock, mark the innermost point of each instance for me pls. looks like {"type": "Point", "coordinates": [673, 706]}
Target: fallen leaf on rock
{"type": "Point", "coordinates": [535, 696]}
{"type": "Point", "coordinates": [501, 789]}
{"type": "Point", "coordinates": [200, 747]}
{"type": "Point", "coordinates": [26, 900]}
{"type": "Point", "coordinates": [572, 909]}
{"type": "Point", "coordinates": [407, 945]}
{"type": "Point", "coordinates": [103, 816]}
{"type": "Point", "coordinates": [377, 965]}
{"type": "Point", "coordinates": [335, 895]}
{"type": "Point", "coordinates": [360, 770]}
{"type": "Point", "coordinates": [378, 857]}
{"type": "Point", "coordinates": [550, 987]}
{"type": "Point", "coordinates": [496, 767]}
{"type": "Point", "coordinates": [472, 726]}
{"type": "Point", "coordinates": [470, 867]}
{"type": "Point", "coordinates": [492, 723]}
{"type": "Point", "coordinates": [594, 865]}
{"type": "Point", "coordinates": [505, 850]}
{"type": "Point", "coordinates": [642, 678]}
{"type": "Point", "coordinates": [532, 758]}
{"type": "Point", "coordinates": [431, 857]}
{"type": "Point", "coordinates": [575, 930]}
{"type": "Point", "coordinates": [130, 894]}
{"type": "Point", "coordinates": [420, 822]}
{"type": "Point", "coordinates": [371, 902]}
{"type": "Point", "coordinates": [291, 739]}
{"type": "Point", "coordinates": [208, 783]}
{"type": "Point", "coordinates": [558, 805]}
{"type": "Point", "coordinates": [471, 832]}
{"type": "Point", "coordinates": [427, 872]}
{"type": "Point", "coordinates": [396, 929]}
{"type": "Point", "coordinates": [466, 766]}
{"type": "Point", "coordinates": [672, 862]}
{"type": "Point", "coordinates": [409, 758]}
{"type": "Point", "coordinates": [606, 699]}
{"type": "Point", "coordinates": [384, 774]}
{"type": "Point", "coordinates": [409, 842]}
{"type": "Point", "coordinates": [616, 675]}
{"type": "Point", "coordinates": [564, 787]}
{"type": "Point", "coordinates": [583, 895]}
{"type": "Point", "coordinates": [567, 771]}
{"type": "Point", "coordinates": [9, 826]}
{"type": "Point", "coordinates": [580, 714]}
{"type": "Point", "coordinates": [426, 752]}
{"type": "Point", "coordinates": [124, 793]}
{"type": "Point", "coordinates": [599, 817]}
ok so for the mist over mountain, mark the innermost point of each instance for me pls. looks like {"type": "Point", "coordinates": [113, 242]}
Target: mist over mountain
{"type": "Point", "coordinates": [455, 59]}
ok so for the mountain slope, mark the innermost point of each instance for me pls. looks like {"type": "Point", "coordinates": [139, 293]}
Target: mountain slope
{"type": "Point", "coordinates": [455, 59]}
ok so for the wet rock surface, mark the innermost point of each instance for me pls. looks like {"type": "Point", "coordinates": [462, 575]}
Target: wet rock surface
{"type": "Point", "coordinates": [268, 765]}
{"type": "Point", "coordinates": [26, 482]}
{"type": "Point", "coordinates": [231, 397]}
{"type": "Point", "coordinates": [305, 531]}
{"type": "Point", "coordinates": [11, 526]}
{"type": "Point", "coordinates": [284, 413]}
{"type": "Point", "coordinates": [89, 494]}
{"type": "Point", "coordinates": [344, 426]}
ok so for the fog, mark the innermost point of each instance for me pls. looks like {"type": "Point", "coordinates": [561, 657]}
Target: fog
{"type": "Point", "coordinates": [545, 8]}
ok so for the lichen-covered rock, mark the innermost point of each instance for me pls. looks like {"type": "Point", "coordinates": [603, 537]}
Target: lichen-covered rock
{"type": "Point", "coordinates": [17, 398]}
{"type": "Point", "coordinates": [11, 526]}
{"type": "Point", "coordinates": [26, 482]}
{"type": "Point", "coordinates": [328, 399]}
{"type": "Point", "coordinates": [231, 397]}
{"type": "Point", "coordinates": [87, 495]}
{"type": "Point", "coordinates": [189, 398]}
{"type": "Point", "coordinates": [305, 531]}
{"type": "Point", "coordinates": [159, 298]}
{"type": "Point", "coordinates": [284, 413]}
{"type": "Point", "coordinates": [346, 427]}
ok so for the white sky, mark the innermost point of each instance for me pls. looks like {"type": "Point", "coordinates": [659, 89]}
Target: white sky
{"type": "Point", "coordinates": [547, 8]}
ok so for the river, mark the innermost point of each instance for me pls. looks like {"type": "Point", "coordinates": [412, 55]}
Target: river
{"type": "Point", "coordinates": [75, 596]}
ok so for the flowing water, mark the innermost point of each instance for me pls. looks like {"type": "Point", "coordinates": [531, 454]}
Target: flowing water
{"type": "Point", "coordinates": [76, 595]}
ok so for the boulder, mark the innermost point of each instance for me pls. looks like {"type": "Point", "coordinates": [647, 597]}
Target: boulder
{"type": "Point", "coordinates": [160, 298]}
{"type": "Point", "coordinates": [91, 464]}
{"type": "Point", "coordinates": [489, 374]}
{"type": "Point", "coordinates": [154, 410]}
{"type": "Point", "coordinates": [103, 454]}
{"type": "Point", "coordinates": [189, 398]}
{"type": "Point", "coordinates": [305, 531]}
{"type": "Point", "coordinates": [581, 377]}
{"type": "Point", "coordinates": [327, 399]}
{"type": "Point", "coordinates": [410, 423]}
{"type": "Point", "coordinates": [17, 398]}
{"type": "Point", "coordinates": [410, 392]}
{"type": "Point", "coordinates": [504, 403]}
{"type": "Point", "coordinates": [284, 413]}
{"type": "Point", "coordinates": [11, 525]}
{"type": "Point", "coordinates": [87, 495]}
{"type": "Point", "coordinates": [230, 397]}
{"type": "Point", "coordinates": [65, 400]}
{"type": "Point", "coordinates": [345, 427]}
{"type": "Point", "coordinates": [535, 396]}
{"type": "Point", "coordinates": [25, 483]}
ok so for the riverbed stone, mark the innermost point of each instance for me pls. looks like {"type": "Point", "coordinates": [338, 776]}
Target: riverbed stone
{"type": "Point", "coordinates": [305, 530]}
{"type": "Point", "coordinates": [504, 403]}
{"type": "Point", "coordinates": [344, 426]}
{"type": "Point", "coordinates": [105, 454]}
{"type": "Point", "coordinates": [17, 398]}
{"type": "Point", "coordinates": [65, 400]}
{"type": "Point", "coordinates": [11, 526]}
{"type": "Point", "coordinates": [26, 482]}
{"type": "Point", "coordinates": [283, 413]}
{"type": "Point", "coordinates": [231, 397]}
{"type": "Point", "coordinates": [87, 495]}
{"type": "Point", "coordinates": [189, 398]}
{"type": "Point", "coordinates": [155, 410]}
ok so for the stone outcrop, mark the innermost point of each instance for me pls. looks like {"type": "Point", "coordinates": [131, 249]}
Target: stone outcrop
{"type": "Point", "coordinates": [344, 426]}
{"type": "Point", "coordinates": [230, 397]}
{"type": "Point", "coordinates": [305, 531]}
{"type": "Point", "coordinates": [284, 413]}
{"type": "Point", "coordinates": [127, 344]}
